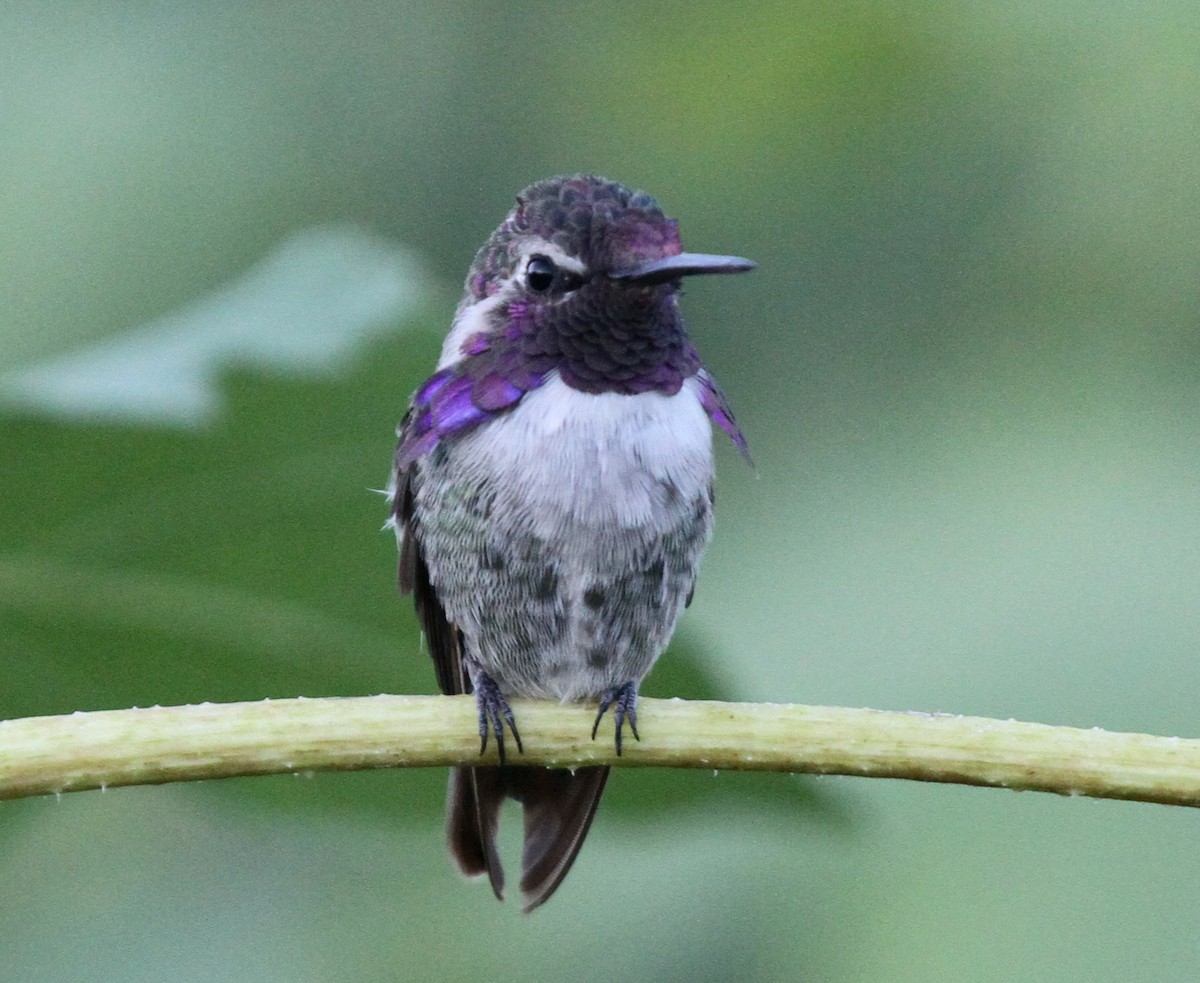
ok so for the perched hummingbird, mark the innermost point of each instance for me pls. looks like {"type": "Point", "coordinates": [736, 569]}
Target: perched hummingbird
{"type": "Point", "coordinates": [552, 493]}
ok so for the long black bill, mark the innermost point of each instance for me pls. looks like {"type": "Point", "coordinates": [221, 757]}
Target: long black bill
{"type": "Point", "coordinates": [685, 264]}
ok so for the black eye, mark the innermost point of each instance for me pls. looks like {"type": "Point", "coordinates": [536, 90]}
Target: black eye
{"type": "Point", "coordinates": [539, 273]}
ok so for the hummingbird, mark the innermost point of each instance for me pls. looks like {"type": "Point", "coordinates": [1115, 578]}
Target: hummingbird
{"type": "Point", "coordinates": [552, 494]}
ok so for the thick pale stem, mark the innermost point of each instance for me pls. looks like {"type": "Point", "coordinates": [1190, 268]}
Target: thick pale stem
{"type": "Point", "coordinates": [42, 755]}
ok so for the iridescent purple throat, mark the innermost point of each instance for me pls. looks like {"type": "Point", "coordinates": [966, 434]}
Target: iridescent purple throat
{"type": "Point", "coordinates": [497, 370]}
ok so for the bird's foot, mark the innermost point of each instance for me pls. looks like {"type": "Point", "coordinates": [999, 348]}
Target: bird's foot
{"type": "Point", "coordinates": [623, 700]}
{"type": "Point", "coordinates": [494, 713]}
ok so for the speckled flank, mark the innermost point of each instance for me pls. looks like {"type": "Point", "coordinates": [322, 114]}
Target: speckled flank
{"type": "Point", "coordinates": [565, 539]}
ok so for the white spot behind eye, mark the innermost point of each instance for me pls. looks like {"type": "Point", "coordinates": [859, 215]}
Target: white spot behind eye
{"type": "Point", "coordinates": [536, 246]}
{"type": "Point", "coordinates": [472, 318]}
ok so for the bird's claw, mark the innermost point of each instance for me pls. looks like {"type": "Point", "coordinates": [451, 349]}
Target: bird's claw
{"type": "Point", "coordinates": [494, 713]}
{"type": "Point", "coordinates": [623, 700]}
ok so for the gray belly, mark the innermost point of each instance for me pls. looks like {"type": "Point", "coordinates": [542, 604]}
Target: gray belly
{"type": "Point", "coordinates": [561, 595]}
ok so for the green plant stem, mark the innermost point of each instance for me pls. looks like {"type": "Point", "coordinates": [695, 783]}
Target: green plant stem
{"type": "Point", "coordinates": [44, 755]}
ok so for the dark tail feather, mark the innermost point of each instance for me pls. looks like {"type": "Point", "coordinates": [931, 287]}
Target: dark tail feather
{"type": "Point", "coordinates": [558, 804]}
{"type": "Point", "coordinates": [472, 819]}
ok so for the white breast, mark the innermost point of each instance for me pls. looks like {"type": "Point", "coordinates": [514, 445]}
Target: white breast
{"type": "Point", "coordinates": [588, 460]}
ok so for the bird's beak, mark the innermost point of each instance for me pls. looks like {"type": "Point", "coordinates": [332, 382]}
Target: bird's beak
{"type": "Point", "coordinates": [685, 264]}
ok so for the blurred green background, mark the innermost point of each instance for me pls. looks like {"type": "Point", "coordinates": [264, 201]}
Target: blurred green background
{"type": "Point", "coordinates": [231, 237]}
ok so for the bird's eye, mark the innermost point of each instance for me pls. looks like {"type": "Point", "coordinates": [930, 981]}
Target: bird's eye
{"type": "Point", "coordinates": [539, 274]}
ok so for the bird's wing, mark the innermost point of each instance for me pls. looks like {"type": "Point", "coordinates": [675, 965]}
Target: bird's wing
{"type": "Point", "coordinates": [442, 637]}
